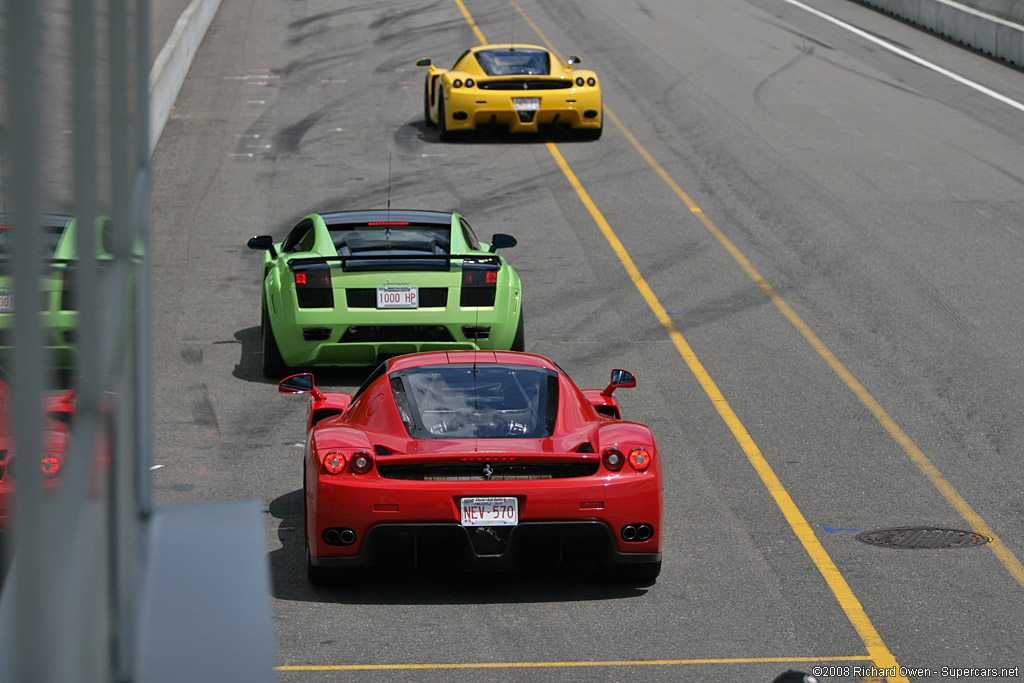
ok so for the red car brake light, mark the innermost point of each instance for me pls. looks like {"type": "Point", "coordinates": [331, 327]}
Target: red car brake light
{"type": "Point", "coordinates": [639, 459]}
{"type": "Point", "coordinates": [613, 459]}
{"type": "Point", "coordinates": [334, 462]}
{"type": "Point", "coordinates": [362, 462]}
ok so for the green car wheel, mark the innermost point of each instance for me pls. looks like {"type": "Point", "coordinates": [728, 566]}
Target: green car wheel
{"type": "Point", "coordinates": [273, 365]}
{"type": "Point", "coordinates": [519, 343]}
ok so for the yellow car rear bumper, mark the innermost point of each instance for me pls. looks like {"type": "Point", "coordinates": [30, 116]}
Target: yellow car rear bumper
{"type": "Point", "coordinates": [470, 109]}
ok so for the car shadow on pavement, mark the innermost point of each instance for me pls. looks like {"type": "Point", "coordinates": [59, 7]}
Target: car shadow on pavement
{"type": "Point", "coordinates": [249, 367]}
{"type": "Point", "coordinates": [486, 135]}
{"type": "Point", "coordinates": [288, 578]}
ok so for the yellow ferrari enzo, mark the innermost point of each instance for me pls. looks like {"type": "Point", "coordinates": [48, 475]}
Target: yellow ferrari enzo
{"type": "Point", "coordinates": [515, 86]}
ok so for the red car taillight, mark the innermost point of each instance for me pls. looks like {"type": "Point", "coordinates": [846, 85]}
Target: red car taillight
{"type": "Point", "coordinates": [613, 459]}
{"type": "Point", "coordinates": [362, 462]}
{"type": "Point", "coordinates": [50, 466]}
{"type": "Point", "coordinates": [334, 462]}
{"type": "Point", "coordinates": [639, 459]}
{"type": "Point", "coordinates": [313, 287]}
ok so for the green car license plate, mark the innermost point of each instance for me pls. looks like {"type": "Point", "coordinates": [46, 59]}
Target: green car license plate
{"type": "Point", "coordinates": [398, 297]}
{"type": "Point", "coordinates": [6, 301]}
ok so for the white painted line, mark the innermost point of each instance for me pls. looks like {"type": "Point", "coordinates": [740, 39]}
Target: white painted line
{"type": "Point", "coordinates": [155, 467]}
{"type": "Point", "coordinates": [906, 55]}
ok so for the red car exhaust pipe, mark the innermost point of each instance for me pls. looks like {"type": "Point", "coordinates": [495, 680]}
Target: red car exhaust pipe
{"type": "Point", "coordinates": [339, 536]}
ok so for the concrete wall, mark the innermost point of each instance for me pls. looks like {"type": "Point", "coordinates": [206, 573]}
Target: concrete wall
{"type": "Point", "coordinates": [173, 62]}
{"type": "Point", "coordinates": [992, 27]}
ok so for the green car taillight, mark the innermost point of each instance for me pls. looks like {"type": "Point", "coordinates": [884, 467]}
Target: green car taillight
{"type": "Point", "coordinates": [313, 287]}
{"type": "Point", "coordinates": [67, 290]}
{"type": "Point", "coordinates": [479, 284]}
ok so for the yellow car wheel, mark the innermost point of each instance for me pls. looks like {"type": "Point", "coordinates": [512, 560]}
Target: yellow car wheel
{"type": "Point", "coordinates": [442, 121]}
{"type": "Point", "coordinates": [426, 104]}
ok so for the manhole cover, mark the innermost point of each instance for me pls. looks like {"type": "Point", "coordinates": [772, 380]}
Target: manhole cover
{"type": "Point", "coordinates": [926, 537]}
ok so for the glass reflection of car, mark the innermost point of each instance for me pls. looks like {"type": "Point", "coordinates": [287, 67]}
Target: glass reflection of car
{"type": "Point", "coordinates": [58, 419]}
{"type": "Point", "coordinates": [478, 460]}
{"type": "Point", "coordinates": [59, 314]}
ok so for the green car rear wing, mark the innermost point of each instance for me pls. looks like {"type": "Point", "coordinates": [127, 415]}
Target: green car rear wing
{"type": "Point", "coordinates": [387, 261]}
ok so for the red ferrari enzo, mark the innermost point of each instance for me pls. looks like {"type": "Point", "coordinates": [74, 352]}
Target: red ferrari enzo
{"type": "Point", "coordinates": [484, 459]}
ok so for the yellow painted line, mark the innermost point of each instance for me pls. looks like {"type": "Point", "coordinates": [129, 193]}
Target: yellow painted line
{"type": "Point", "coordinates": [876, 648]}
{"type": "Point", "coordinates": [1010, 561]}
{"type": "Point", "coordinates": [880, 654]}
{"type": "Point", "coordinates": [538, 665]}
{"type": "Point", "coordinates": [471, 22]}
{"type": "Point", "coordinates": [974, 520]}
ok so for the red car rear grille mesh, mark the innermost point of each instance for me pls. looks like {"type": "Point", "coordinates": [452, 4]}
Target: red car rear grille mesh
{"type": "Point", "coordinates": [487, 471]}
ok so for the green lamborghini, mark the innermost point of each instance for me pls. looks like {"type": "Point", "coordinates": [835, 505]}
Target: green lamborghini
{"type": "Point", "coordinates": [350, 288]}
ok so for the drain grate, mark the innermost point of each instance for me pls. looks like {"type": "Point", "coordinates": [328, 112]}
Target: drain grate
{"type": "Point", "coordinates": [929, 538]}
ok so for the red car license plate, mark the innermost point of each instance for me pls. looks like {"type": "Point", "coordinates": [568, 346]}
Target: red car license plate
{"type": "Point", "coordinates": [490, 511]}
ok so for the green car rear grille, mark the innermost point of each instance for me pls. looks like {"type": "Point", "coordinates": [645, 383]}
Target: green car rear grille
{"type": "Point", "coordinates": [430, 297]}
{"type": "Point", "coordinates": [395, 333]}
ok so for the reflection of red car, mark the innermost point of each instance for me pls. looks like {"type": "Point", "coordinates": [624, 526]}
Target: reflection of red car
{"type": "Point", "coordinates": [482, 459]}
{"type": "Point", "coordinates": [59, 410]}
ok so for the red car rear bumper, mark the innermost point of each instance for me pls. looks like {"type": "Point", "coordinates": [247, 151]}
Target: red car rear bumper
{"type": "Point", "coordinates": [559, 519]}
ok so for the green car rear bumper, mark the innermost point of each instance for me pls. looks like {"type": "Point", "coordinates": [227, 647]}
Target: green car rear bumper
{"type": "Point", "coordinates": [344, 336]}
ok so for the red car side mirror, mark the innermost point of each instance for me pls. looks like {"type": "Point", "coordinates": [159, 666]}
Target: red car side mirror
{"type": "Point", "coordinates": [300, 384]}
{"type": "Point", "coordinates": [620, 379]}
